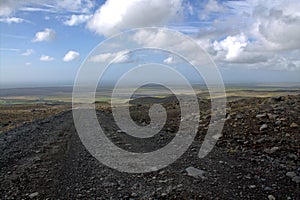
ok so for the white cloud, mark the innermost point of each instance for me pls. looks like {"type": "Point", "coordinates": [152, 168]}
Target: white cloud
{"type": "Point", "coordinates": [9, 49]}
{"type": "Point", "coordinates": [123, 59]}
{"type": "Point", "coordinates": [46, 58]}
{"type": "Point", "coordinates": [80, 6]}
{"type": "Point", "coordinates": [161, 38]}
{"type": "Point", "coordinates": [71, 55]}
{"type": "Point", "coordinates": [46, 35]}
{"type": "Point", "coordinates": [100, 57]}
{"type": "Point", "coordinates": [77, 19]}
{"type": "Point", "coordinates": [213, 6]}
{"type": "Point", "coordinates": [206, 44]}
{"type": "Point", "coordinates": [210, 7]}
{"type": "Point", "coordinates": [169, 60]}
{"type": "Point", "coordinates": [272, 24]}
{"type": "Point", "coordinates": [9, 7]}
{"type": "Point", "coordinates": [116, 15]}
{"type": "Point", "coordinates": [232, 45]}
{"type": "Point", "coordinates": [28, 64]}
{"type": "Point", "coordinates": [149, 38]}
{"type": "Point", "coordinates": [28, 52]}
{"type": "Point", "coordinates": [104, 57]}
{"type": "Point", "coordinates": [278, 29]}
{"type": "Point", "coordinates": [10, 20]}
{"type": "Point", "coordinates": [272, 29]}
{"type": "Point", "coordinates": [36, 9]}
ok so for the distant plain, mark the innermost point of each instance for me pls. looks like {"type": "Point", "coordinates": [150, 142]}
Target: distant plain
{"type": "Point", "coordinates": [21, 105]}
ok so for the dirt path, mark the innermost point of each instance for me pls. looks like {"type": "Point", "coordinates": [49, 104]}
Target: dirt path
{"type": "Point", "coordinates": [46, 159]}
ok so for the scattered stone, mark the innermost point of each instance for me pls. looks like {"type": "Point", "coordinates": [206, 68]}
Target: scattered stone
{"type": "Point", "coordinates": [162, 181]}
{"type": "Point", "coordinates": [279, 98]}
{"type": "Point", "coordinates": [260, 140]}
{"type": "Point", "coordinates": [271, 116]}
{"type": "Point", "coordinates": [296, 179]}
{"type": "Point", "coordinates": [263, 127]}
{"type": "Point", "coordinates": [32, 195]}
{"type": "Point", "coordinates": [261, 115]}
{"type": "Point", "coordinates": [272, 150]}
{"type": "Point", "coordinates": [271, 197]}
{"type": "Point", "coordinates": [293, 156]}
{"type": "Point", "coordinates": [239, 116]}
{"type": "Point", "coordinates": [163, 194]}
{"type": "Point", "coordinates": [294, 125]}
{"type": "Point", "coordinates": [267, 188]}
{"type": "Point", "coordinates": [194, 172]}
{"type": "Point", "coordinates": [133, 194]}
{"type": "Point", "coordinates": [287, 135]}
{"type": "Point", "coordinates": [162, 172]}
{"type": "Point", "coordinates": [291, 174]}
{"type": "Point", "coordinates": [265, 175]}
{"type": "Point", "coordinates": [252, 186]}
{"type": "Point", "coordinates": [278, 122]}
{"type": "Point", "coordinates": [248, 176]}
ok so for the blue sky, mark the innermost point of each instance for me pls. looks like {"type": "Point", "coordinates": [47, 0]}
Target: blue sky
{"type": "Point", "coordinates": [44, 42]}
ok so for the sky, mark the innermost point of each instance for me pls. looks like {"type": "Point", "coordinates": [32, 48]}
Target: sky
{"type": "Point", "coordinates": [252, 41]}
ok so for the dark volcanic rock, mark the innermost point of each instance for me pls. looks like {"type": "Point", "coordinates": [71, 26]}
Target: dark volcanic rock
{"type": "Point", "coordinates": [46, 159]}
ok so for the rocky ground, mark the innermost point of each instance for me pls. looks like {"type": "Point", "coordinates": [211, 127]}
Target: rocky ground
{"type": "Point", "coordinates": [256, 158]}
{"type": "Point", "coordinates": [12, 116]}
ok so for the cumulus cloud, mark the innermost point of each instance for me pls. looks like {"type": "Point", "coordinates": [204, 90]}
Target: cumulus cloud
{"type": "Point", "coordinates": [270, 33]}
{"type": "Point", "coordinates": [116, 15]}
{"type": "Point", "coordinates": [272, 24]}
{"type": "Point", "coordinates": [28, 64]}
{"type": "Point", "coordinates": [46, 58]}
{"type": "Point", "coordinates": [28, 52]}
{"type": "Point", "coordinates": [71, 55]}
{"type": "Point", "coordinates": [247, 33]}
{"type": "Point", "coordinates": [232, 45]}
{"type": "Point", "coordinates": [46, 35]}
{"type": "Point", "coordinates": [104, 57]}
{"type": "Point", "coordinates": [278, 29]}
{"type": "Point", "coordinates": [10, 20]}
{"type": "Point", "coordinates": [77, 19]}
